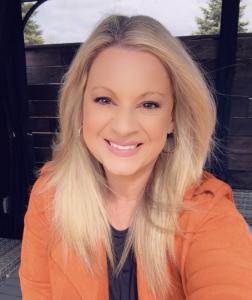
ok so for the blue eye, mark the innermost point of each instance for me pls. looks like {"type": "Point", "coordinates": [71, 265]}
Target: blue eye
{"type": "Point", "coordinates": [102, 100]}
{"type": "Point", "coordinates": [151, 105]}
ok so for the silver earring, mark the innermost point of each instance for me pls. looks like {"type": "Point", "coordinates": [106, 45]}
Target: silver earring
{"type": "Point", "coordinates": [173, 140]}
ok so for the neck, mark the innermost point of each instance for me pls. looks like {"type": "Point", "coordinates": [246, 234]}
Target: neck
{"type": "Point", "coordinates": [127, 189]}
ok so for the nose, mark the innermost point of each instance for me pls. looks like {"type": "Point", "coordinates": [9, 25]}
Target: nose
{"type": "Point", "coordinates": [124, 122]}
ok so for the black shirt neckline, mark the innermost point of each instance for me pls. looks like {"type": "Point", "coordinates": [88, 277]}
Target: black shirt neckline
{"type": "Point", "coordinates": [119, 233]}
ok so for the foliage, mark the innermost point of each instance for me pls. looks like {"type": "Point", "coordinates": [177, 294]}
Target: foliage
{"type": "Point", "coordinates": [210, 23]}
{"type": "Point", "coordinates": [32, 32]}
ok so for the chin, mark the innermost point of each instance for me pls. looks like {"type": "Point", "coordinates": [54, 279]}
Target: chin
{"type": "Point", "coordinates": [123, 171]}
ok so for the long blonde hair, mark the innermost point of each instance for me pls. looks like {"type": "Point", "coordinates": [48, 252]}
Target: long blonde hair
{"type": "Point", "coordinates": [79, 214]}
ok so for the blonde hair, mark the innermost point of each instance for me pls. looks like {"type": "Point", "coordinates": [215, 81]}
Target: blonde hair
{"type": "Point", "coordinates": [79, 215]}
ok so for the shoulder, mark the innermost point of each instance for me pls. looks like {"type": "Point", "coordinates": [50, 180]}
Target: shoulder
{"type": "Point", "coordinates": [41, 195]}
{"type": "Point", "coordinates": [211, 198]}
{"type": "Point", "coordinates": [216, 246]}
{"type": "Point", "coordinates": [209, 184]}
{"type": "Point", "coordinates": [213, 223]}
{"type": "Point", "coordinates": [210, 191]}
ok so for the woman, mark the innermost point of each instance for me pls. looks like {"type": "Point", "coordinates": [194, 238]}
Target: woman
{"type": "Point", "coordinates": [125, 209]}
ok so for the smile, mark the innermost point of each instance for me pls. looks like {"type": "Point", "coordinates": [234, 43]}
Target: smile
{"type": "Point", "coordinates": [123, 151]}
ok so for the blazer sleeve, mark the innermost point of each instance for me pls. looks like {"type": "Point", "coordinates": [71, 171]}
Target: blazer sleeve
{"type": "Point", "coordinates": [219, 259]}
{"type": "Point", "coordinates": [33, 271]}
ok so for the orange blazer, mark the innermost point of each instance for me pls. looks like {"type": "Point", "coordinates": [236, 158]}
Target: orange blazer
{"type": "Point", "coordinates": [214, 262]}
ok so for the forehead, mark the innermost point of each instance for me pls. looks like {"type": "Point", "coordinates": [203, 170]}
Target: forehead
{"type": "Point", "coordinates": [116, 65]}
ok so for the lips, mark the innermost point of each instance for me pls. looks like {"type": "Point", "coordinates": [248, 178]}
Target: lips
{"type": "Point", "coordinates": [123, 151]}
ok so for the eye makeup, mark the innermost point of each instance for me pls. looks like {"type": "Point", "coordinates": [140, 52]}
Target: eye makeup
{"type": "Point", "coordinates": [147, 104]}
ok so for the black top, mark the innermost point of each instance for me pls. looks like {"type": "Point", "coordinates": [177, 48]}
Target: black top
{"type": "Point", "coordinates": [123, 287]}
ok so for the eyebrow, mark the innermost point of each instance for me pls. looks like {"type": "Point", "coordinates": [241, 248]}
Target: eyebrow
{"type": "Point", "coordinates": [142, 95]}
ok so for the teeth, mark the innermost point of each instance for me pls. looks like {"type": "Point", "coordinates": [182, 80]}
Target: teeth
{"type": "Point", "coordinates": [123, 147]}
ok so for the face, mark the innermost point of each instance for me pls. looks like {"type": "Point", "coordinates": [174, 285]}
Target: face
{"type": "Point", "coordinates": [127, 110]}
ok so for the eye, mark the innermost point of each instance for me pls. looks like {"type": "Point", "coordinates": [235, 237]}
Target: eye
{"type": "Point", "coordinates": [151, 105]}
{"type": "Point", "coordinates": [102, 100]}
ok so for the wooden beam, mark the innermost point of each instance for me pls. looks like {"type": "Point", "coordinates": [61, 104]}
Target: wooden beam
{"type": "Point", "coordinates": [16, 147]}
{"type": "Point", "coordinates": [224, 78]}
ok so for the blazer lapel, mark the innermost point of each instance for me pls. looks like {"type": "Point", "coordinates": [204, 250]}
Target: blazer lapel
{"type": "Point", "coordinates": [93, 288]}
{"type": "Point", "coordinates": [88, 287]}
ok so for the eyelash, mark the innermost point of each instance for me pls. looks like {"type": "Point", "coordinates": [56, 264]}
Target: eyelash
{"type": "Point", "coordinates": [97, 100]}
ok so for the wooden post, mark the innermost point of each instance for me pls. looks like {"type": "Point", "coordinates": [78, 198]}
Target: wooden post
{"type": "Point", "coordinates": [16, 148]}
{"type": "Point", "coordinates": [224, 78]}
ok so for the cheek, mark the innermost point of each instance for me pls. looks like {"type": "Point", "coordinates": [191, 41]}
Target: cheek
{"type": "Point", "coordinates": [158, 139]}
{"type": "Point", "coordinates": [93, 120]}
{"type": "Point", "coordinates": [158, 130]}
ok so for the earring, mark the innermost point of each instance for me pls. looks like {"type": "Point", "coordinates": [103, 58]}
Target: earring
{"type": "Point", "coordinates": [174, 140]}
{"type": "Point", "coordinates": [79, 131]}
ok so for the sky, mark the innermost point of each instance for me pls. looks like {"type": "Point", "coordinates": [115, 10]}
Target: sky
{"type": "Point", "coordinates": [68, 21]}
